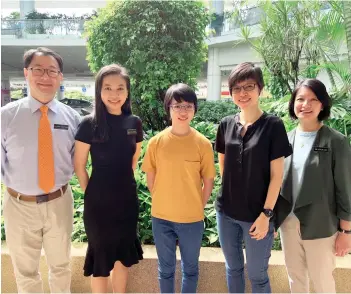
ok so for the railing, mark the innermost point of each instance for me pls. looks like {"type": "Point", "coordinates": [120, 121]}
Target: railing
{"type": "Point", "coordinates": [23, 28]}
{"type": "Point", "coordinates": [27, 27]}
{"type": "Point", "coordinates": [225, 24]}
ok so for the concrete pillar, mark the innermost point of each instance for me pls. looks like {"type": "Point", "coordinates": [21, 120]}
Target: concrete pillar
{"type": "Point", "coordinates": [26, 6]}
{"type": "Point", "coordinates": [5, 91]}
{"type": "Point", "coordinates": [217, 6]}
{"type": "Point", "coordinates": [213, 75]}
{"type": "Point", "coordinates": [60, 94]}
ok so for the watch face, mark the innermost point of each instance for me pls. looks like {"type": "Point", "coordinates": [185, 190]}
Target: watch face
{"type": "Point", "coordinates": [268, 212]}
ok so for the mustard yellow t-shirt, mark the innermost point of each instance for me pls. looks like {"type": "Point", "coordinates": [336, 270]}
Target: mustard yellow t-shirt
{"type": "Point", "coordinates": [179, 164]}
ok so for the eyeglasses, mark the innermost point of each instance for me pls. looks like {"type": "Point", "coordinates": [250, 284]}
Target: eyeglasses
{"type": "Point", "coordinates": [39, 72]}
{"type": "Point", "coordinates": [178, 108]}
{"type": "Point", "coordinates": [246, 88]}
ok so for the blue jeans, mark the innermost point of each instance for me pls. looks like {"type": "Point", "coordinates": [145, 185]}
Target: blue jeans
{"type": "Point", "coordinates": [232, 233]}
{"type": "Point", "coordinates": [189, 237]}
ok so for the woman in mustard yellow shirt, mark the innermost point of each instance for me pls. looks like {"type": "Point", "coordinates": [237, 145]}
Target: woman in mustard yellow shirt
{"type": "Point", "coordinates": [179, 164]}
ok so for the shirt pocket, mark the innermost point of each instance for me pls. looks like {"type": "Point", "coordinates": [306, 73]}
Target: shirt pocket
{"type": "Point", "coordinates": [63, 137]}
{"type": "Point", "coordinates": [192, 169]}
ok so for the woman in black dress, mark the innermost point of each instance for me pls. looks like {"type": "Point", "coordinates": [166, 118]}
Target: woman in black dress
{"type": "Point", "coordinates": [113, 137]}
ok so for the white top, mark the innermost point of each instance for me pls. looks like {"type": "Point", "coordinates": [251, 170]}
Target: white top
{"type": "Point", "coordinates": [302, 147]}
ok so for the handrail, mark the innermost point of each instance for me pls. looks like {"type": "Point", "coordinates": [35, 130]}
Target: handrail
{"type": "Point", "coordinates": [23, 27]}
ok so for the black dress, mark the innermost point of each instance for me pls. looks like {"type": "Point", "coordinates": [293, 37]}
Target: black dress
{"type": "Point", "coordinates": [111, 205]}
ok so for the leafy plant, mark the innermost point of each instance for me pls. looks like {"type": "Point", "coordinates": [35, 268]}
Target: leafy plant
{"type": "Point", "coordinates": [345, 13]}
{"type": "Point", "coordinates": [214, 111]}
{"type": "Point", "coordinates": [37, 15]}
{"type": "Point", "coordinates": [78, 95]}
{"type": "Point", "coordinates": [16, 93]}
{"type": "Point", "coordinates": [15, 15]}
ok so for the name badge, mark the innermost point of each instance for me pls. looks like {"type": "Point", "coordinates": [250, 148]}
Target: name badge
{"type": "Point", "coordinates": [131, 132]}
{"type": "Point", "coordinates": [321, 149]}
{"type": "Point", "coordinates": [60, 127]}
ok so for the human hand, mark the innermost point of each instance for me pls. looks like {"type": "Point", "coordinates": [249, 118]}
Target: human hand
{"type": "Point", "coordinates": [342, 244]}
{"type": "Point", "coordinates": [275, 234]}
{"type": "Point", "coordinates": [259, 228]}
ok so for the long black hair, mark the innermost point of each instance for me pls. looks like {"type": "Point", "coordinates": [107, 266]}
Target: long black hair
{"type": "Point", "coordinates": [100, 111]}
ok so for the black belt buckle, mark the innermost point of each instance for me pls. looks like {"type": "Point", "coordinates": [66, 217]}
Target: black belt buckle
{"type": "Point", "coordinates": [42, 198]}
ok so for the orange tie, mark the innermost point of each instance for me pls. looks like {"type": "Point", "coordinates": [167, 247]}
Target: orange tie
{"type": "Point", "coordinates": [46, 171]}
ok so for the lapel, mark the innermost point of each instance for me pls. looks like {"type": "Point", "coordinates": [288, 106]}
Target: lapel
{"type": "Point", "coordinates": [286, 191]}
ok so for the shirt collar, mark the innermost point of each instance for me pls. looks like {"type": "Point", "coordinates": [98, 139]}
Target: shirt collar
{"type": "Point", "coordinates": [237, 119]}
{"type": "Point", "coordinates": [35, 104]}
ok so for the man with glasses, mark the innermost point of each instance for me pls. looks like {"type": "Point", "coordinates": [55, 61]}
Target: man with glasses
{"type": "Point", "coordinates": [37, 139]}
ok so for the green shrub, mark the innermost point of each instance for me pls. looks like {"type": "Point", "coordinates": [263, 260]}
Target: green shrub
{"type": "Point", "coordinates": [214, 111]}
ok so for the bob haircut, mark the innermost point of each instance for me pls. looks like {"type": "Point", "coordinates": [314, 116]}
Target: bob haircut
{"type": "Point", "coordinates": [179, 92]}
{"type": "Point", "coordinates": [318, 88]}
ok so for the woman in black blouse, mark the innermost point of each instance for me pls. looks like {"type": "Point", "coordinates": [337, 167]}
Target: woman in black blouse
{"type": "Point", "coordinates": [251, 147]}
{"type": "Point", "coordinates": [113, 137]}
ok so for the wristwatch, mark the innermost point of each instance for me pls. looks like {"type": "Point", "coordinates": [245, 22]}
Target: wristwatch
{"type": "Point", "coordinates": [344, 231]}
{"type": "Point", "coordinates": [268, 212]}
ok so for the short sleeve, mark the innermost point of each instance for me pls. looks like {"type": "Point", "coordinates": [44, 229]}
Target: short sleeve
{"type": "Point", "coordinates": [207, 166]}
{"type": "Point", "coordinates": [85, 130]}
{"type": "Point", "coordinates": [279, 145]}
{"type": "Point", "coordinates": [149, 162]}
{"type": "Point", "coordinates": [139, 128]}
{"type": "Point", "coordinates": [78, 119]}
{"type": "Point", "coordinates": [220, 142]}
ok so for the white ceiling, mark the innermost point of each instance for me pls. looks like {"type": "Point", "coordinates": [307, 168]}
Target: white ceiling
{"type": "Point", "coordinates": [74, 58]}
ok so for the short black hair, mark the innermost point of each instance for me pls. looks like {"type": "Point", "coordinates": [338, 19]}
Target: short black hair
{"type": "Point", "coordinates": [245, 71]}
{"type": "Point", "coordinates": [28, 56]}
{"type": "Point", "coordinates": [319, 89]}
{"type": "Point", "coordinates": [180, 92]}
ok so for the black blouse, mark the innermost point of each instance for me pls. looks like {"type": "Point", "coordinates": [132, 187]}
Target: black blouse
{"type": "Point", "coordinates": [124, 132]}
{"type": "Point", "coordinates": [246, 174]}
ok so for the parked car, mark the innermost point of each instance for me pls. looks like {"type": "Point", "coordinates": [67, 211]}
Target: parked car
{"type": "Point", "coordinates": [79, 105]}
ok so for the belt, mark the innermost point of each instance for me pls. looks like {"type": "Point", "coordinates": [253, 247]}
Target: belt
{"type": "Point", "coordinates": [38, 198]}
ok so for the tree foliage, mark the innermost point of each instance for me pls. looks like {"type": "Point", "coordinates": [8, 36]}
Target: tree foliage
{"type": "Point", "coordinates": [346, 13]}
{"type": "Point", "coordinates": [14, 15]}
{"type": "Point", "coordinates": [35, 15]}
{"type": "Point", "coordinates": [298, 39]}
{"type": "Point", "coordinates": [159, 42]}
